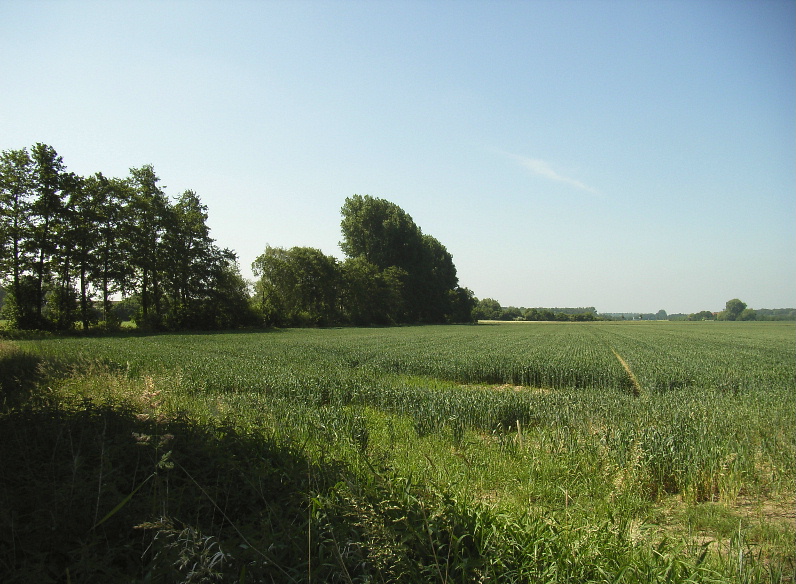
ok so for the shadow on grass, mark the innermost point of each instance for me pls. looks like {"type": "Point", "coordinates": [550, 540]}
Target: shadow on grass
{"type": "Point", "coordinates": [101, 494]}
{"type": "Point", "coordinates": [209, 498]}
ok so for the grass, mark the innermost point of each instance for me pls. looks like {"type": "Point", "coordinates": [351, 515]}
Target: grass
{"type": "Point", "coordinates": [429, 454]}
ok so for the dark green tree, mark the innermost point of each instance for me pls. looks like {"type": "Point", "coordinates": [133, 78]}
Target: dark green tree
{"type": "Point", "coordinates": [370, 295]}
{"type": "Point", "coordinates": [16, 258]}
{"type": "Point", "coordinates": [732, 309]}
{"type": "Point", "coordinates": [149, 212]}
{"type": "Point", "coordinates": [298, 286]}
{"type": "Point", "coordinates": [702, 315]}
{"type": "Point", "coordinates": [75, 243]}
{"type": "Point", "coordinates": [111, 268]}
{"type": "Point", "coordinates": [46, 214]}
{"type": "Point", "coordinates": [747, 314]}
{"type": "Point", "coordinates": [385, 236]}
{"type": "Point", "coordinates": [189, 253]}
{"type": "Point", "coordinates": [487, 309]}
{"type": "Point", "coordinates": [461, 303]}
{"type": "Point", "coordinates": [430, 284]}
{"type": "Point", "coordinates": [381, 232]}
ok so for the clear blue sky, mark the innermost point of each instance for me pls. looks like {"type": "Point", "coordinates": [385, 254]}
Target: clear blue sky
{"type": "Point", "coordinates": [628, 155]}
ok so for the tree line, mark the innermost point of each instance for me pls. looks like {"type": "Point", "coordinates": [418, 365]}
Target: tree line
{"type": "Point", "coordinates": [734, 309]}
{"type": "Point", "coordinates": [393, 273]}
{"type": "Point", "coordinates": [71, 247]}
{"type": "Point", "coordinates": [490, 309]}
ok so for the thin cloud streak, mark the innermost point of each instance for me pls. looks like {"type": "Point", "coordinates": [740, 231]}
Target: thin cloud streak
{"type": "Point", "coordinates": [543, 169]}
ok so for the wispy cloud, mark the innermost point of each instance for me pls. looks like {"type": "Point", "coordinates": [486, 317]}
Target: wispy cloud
{"type": "Point", "coordinates": [541, 168]}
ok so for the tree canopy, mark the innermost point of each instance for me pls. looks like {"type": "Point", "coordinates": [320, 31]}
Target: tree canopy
{"type": "Point", "coordinates": [381, 233]}
{"type": "Point", "coordinates": [393, 273]}
{"type": "Point", "coordinates": [72, 245]}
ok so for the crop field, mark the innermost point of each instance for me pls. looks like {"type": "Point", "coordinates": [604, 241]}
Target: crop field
{"type": "Point", "coordinates": [535, 452]}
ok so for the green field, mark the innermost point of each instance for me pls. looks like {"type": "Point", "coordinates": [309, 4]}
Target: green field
{"type": "Point", "coordinates": [536, 452]}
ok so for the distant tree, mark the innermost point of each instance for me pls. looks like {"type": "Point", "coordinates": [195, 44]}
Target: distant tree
{"type": "Point", "coordinates": [487, 309]}
{"type": "Point", "coordinates": [432, 282]}
{"type": "Point", "coordinates": [661, 315]}
{"type": "Point", "coordinates": [65, 240]}
{"type": "Point", "coordinates": [462, 301]}
{"type": "Point", "coordinates": [703, 315]}
{"type": "Point", "coordinates": [227, 301]}
{"type": "Point", "coordinates": [732, 310]}
{"type": "Point", "coordinates": [192, 262]}
{"type": "Point", "coordinates": [747, 314]}
{"type": "Point", "coordinates": [111, 270]}
{"type": "Point", "coordinates": [369, 295]}
{"type": "Point", "coordinates": [81, 238]}
{"type": "Point", "coordinates": [381, 232]}
{"type": "Point", "coordinates": [510, 313]}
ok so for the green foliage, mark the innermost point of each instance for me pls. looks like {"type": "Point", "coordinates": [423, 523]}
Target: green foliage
{"type": "Point", "coordinates": [298, 286]}
{"type": "Point", "coordinates": [68, 243]}
{"type": "Point", "coordinates": [383, 235]}
{"type": "Point", "coordinates": [733, 310]}
{"type": "Point", "coordinates": [702, 315]}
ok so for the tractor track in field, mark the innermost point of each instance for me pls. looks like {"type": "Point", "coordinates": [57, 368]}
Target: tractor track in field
{"type": "Point", "coordinates": [630, 374]}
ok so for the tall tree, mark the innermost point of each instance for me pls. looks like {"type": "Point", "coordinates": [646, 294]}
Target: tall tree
{"type": "Point", "coordinates": [196, 267]}
{"type": "Point", "coordinates": [369, 295]}
{"type": "Point", "coordinates": [733, 309]}
{"type": "Point", "coordinates": [111, 269]}
{"type": "Point", "coordinates": [385, 236]}
{"type": "Point", "coordinates": [433, 281]}
{"type": "Point", "coordinates": [381, 232]}
{"type": "Point", "coordinates": [149, 209]}
{"type": "Point", "coordinates": [83, 237]}
{"type": "Point", "coordinates": [16, 184]}
{"type": "Point", "coordinates": [188, 248]}
{"type": "Point", "coordinates": [74, 234]}
{"type": "Point", "coordinates": [46, 213]}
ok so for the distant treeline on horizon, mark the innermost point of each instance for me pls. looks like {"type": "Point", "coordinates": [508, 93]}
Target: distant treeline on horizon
{"type": "Point", "coordinates": [490, 309]}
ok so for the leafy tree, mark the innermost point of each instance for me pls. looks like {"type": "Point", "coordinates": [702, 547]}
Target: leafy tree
{"type": "Point", "coordinates": [369, 295]}
{"type": "Point", "coordinates": [381, 232]}
{"type": "Point", "coordinates": [512, 313]}
{"type": "Point", "coordinates": [487, 309]}
{"type": "Point", "coordinates": [227, 302]}
{"type": "Point", "coordinates": [703, 315]}
{"type": "Point", "coordinates": [46, 212]}
{"type": "Point", "coordinates": [16, 184]}
{"type": "Point", "coordinates": [111, 269]}
{"type": "Point", "coordinates": [149, 212]}
{"type": "Point", "coordinates": [75, 234]}
{"type": "Point", "coordinates": [747, 314]}
{"type": "Point", "coordinates": [79, 235]}
{"type": "Point", "coordinates": [65, 239]}
{"type": "Point", "coordinates": [461, 301]}
{"type": "Point", "coordinates": [299, 286]}
{"type": "Point", "coordinates": [733, 309]}
{"type": "Point", "coordinates": [385, 236]}
{"type": "Point", "coordinates": [432, 281]}
{"type": "Point", "coordinates": [190, 258]}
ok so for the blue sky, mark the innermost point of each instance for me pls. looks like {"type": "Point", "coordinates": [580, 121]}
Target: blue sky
{"type": "Point", "coordinates": [632, 156]}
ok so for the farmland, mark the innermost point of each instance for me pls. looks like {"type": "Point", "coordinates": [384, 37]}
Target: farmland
{"type": "Point", "coordinates": [530, 452]}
